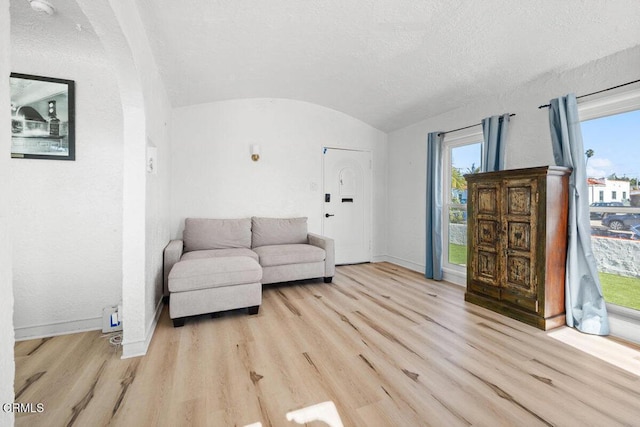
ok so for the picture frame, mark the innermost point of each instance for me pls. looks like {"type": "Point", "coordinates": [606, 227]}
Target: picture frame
{"type": "Point", "coordinates": [42, 117]}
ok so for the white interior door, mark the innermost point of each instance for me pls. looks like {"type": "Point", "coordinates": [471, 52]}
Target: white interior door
{"type": "Point", "coordinates": [347, 203]}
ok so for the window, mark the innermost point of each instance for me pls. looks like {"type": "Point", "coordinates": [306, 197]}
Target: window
{"type": "Point", "coordinates": [601, 198]}
{"type": "Point", "coordinates": [611, 131]}
{"type": "Point", "coordinates": [462, 155]}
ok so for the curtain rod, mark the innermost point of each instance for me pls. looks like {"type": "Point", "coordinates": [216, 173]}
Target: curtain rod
{"type": "Point", "coordinates": [466, 127]}
{"type": "Point", "coordinates": [594, 93]}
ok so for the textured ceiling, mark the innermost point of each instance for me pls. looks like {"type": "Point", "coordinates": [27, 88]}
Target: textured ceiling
{"type": "Point", "coordinates": [36, 31]}
{"type": "Point", "coordinates": [389, 63]}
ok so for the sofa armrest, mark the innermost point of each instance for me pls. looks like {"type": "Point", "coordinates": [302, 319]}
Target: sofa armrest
{"type": "Point", "coordinates": [328, 245]}
{"type": "Point", "coordinates": [172, 254]}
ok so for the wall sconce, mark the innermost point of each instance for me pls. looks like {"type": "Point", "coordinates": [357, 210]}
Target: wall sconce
{"type": "Point", "coordinates": [255, 152]}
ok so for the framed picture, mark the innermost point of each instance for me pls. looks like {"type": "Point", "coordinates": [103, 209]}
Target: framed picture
{"type": "Point", "coordinates": [42, 118]}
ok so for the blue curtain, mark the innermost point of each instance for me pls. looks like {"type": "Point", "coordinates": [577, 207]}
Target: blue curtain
{"type": "Point", "coordinates": [585, 306]}
{"type": "Point", "coordinates": [494, 129]}
{"type": "Point", "coordinates": [433, 267]}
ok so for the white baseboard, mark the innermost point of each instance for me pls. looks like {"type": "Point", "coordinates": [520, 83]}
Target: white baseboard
{"type": "Point", "coordinates": [139, 348]}
{"type": "Point", "coordinates": [455, 277]}
{"type": "Point", "coordinates": [404, 263]}
{"type": "Point", "coordinates": [379, 258]}
{"type": "Point", "coordinates": [58, 328]}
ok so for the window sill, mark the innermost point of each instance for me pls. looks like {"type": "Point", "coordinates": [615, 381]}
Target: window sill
{"type": "Point", "coordinates": [624, 322]}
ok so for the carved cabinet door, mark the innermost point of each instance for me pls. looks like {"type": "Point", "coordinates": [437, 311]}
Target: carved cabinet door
{"type": "Point", "coordinates": [485, 266]}
{"type": "Point", "coordinates": [503, 258]}
{"type": "Point", "coordinates": [519, 225]}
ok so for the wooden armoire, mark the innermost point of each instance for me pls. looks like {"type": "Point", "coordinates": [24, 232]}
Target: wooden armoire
{"type": "Point", "coordinates": [517, 241]}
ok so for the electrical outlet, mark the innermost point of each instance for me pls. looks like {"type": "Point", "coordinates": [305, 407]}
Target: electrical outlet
{"type": "Point", "coordinates": [111, 319]}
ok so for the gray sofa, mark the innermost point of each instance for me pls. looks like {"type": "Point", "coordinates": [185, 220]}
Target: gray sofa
{"type": "Point", "coordinates": [231, 253]}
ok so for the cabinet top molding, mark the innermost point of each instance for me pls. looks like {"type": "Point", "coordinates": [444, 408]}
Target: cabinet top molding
{"type": "Point", "coordinates": [538, 170]}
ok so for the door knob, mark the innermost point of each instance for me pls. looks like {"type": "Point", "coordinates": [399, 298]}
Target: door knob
{"type": "Point", "coordinates": [328, 215]}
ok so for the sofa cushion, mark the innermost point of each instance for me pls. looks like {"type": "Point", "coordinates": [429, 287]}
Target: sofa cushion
{"type": "Point", "coordinates": [278, 231]}
{"type": "Point", "coordinates": [289, 254]}
{"type": "Point", "coordinates": [218, 253]}
{"type": "Point", "coordinates": [203, 234]}
{"type": "Point", "coordinates": [204, 273]}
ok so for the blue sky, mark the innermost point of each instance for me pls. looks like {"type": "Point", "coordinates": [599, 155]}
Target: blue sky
{"type": "Point", "coordinates": [615, 141]}
{"type": "Point", "coordinates": [465, 156]}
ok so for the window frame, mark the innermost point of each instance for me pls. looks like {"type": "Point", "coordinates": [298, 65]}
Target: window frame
{"type": "Point", "coordinates": [624, 322]}
{"type": "Point", "coordinates": [452, 272]}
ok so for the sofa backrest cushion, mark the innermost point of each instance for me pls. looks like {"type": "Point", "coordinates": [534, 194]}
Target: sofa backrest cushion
{"type": "Point", "coordinates": [278, 231]}
{"type": "Point", "coordinates": [205, 234]}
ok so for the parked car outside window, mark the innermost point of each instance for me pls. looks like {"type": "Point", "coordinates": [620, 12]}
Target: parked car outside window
{"type": "Point", "coordinates": [601, 215]}
{"type": "Point", "coordinates": [620, 221]}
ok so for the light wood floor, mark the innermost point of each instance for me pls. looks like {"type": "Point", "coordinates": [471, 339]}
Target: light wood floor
{"type": "Point", "coordinates": [386, 346]}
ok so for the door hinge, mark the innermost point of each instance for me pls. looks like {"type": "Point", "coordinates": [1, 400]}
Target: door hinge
{"type": "Point", "coordinates": [537, 196]}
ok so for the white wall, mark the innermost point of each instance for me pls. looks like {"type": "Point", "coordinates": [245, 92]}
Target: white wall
{"type": "Point", "coordinates": [7, 364]}
{"type": "Point", "coordinates": [158, 185]}
{"type": "Point", "coordinates": [213, 175]}
{"type": "Point", "coordinates": [67, 215]}
{"type": "Point", "coordinates": [145, 197]}
{"type": "Point", "coordinates": [113, 23]}
{"type": "Point", "coordinates": [529, 142]}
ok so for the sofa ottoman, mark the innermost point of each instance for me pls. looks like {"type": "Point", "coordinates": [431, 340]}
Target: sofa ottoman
{"type": "Point", "coordinates": [209, 285]}
{"type": "Point", "coordinates": [282, 246]}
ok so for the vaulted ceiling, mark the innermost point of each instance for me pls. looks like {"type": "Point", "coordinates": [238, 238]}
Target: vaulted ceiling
{"type": "Point", "coordinates": [389, 63]}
